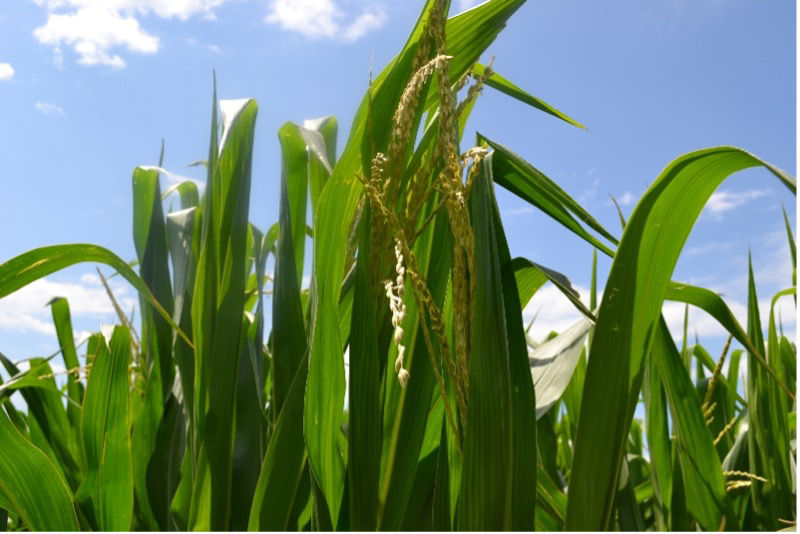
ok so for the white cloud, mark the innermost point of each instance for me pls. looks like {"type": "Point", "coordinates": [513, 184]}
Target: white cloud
{"type": "Point", "coordinates": [722, 201]}
{"type": "Point", "coordinates": [704, 325]}
{"type": "Point", "coordinates": [626, 199]}
{"type": "Point", "coordinates": [554, 312]}
{"type": "Point", "coordinates": [58, 58]}
{"type": "Point", "coordinates": [365, 23]}
{"type": "Point", "coordinates": [6, 71]}
{"type": "Point", "coordinates": [97, 29]}
{"type": "Point", "coordinates": [26, 310]}
{"type": "Point", "coordinates": [464, 5]}
{"type": "Point", "coordinates": [323, 18]}
{"type": "Point", "coordinates": [48, 108]}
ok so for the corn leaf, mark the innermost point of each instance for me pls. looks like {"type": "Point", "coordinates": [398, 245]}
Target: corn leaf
{"type": "Point", "coordinates": [503, 85]}
{"type": "Point", "coordinates": [701, 471]}
{"type": "Point", "coordinates": [44, 402]}
{"type": "Point", "coordinates": [639, 275]}
{"type": "Point", "coordinates": [288, 329]}
{"type": "Point", "coordinates": [106, 494]}
{"type": "Point", "coordinates": [66, 340]}
{"type": "Point", "coordinates": [40, 262]}
{"type": "Point", "coordinates": [521, 178]}
{"type": "Point", "coordinates": [553, 362]}
{"type": "Point", "coordinates": [364, 421]}
{"type": "Point", "coordinates": [281, 472]}
{"type": "Point", "coordinates": [218, 305]}
{"type": "Point", "coordinates": [31, 487]}
{"type": "Point", "coordinates": [486, 484]}
{"type": "Point", "coordinates": [523, 397]}
{"type": "Point", "coordinates": [150, 238]}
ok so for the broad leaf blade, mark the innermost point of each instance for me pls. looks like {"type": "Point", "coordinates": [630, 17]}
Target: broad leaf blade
{"type": "Point", "coordinates": [706, 498]}
{"type": "Point", "coordinates": [31, 486]}
{"type": "Point", "coordinates": [645, 259]}
{"type": "Point", "coordinates": [106, 494]}
{"type": "Point", "coordinates": [486, 495]}
{"type": "Point", "coordinates": [553, 362]}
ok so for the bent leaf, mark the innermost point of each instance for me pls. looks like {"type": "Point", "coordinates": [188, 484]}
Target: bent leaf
{"type": "Point", "coordinates": [647, 254]}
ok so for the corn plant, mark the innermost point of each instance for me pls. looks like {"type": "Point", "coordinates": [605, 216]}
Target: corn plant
{"type": "Point", "coordinates": [199, 418]}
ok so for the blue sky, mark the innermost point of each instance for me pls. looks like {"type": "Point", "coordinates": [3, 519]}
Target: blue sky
{"type": "Point", "coordinates": [88, 88]}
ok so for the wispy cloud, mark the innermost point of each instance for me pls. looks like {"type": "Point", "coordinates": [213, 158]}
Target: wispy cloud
{"type": "Point", "coordinates": [97, 30]}
{"type": "Point", "coordinates": [48, 108]}
{"type": "Point", "coordinates": [6, 71]}
{"type": "Point", "coordinates": [364, 23]}
{"type": "Point", "coordinates": [590, 192]}
{"type": "Point", "coordinates": [194, 43]}
{"type": "Point", "coordinates": [514, 212]}
{"type": "Point", "coordinates": [26, 310]}
{"type": "Point", "coordinates": [324, 19]}
{"type": "Point", "coordinates": [626, 199]}
{"type": "Point", "coordinates": [706, 248]}
{"type": "Point", "coordinates": [722, 201]}
{"type": "Point", "coordinates": [464, 5]}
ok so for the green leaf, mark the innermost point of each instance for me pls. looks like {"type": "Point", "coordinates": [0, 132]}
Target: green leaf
{"type": "Point", "coordinates": [706, 499]}
{"type": "Point", "coordinates": [180, 229]}
{"type": "Point", "coordinates": [559, 280]}
{"type": "Point", "coordinates": [164, 468]}
{"type": "Point", "coordinates": [529, 280]}
{"type": "Point", "coordinates": [713, 304]}
{"type": "Point", "coordinates": [295, 178]}
{"type": "Point", "coordinates": [441, 491]}
{"type": "Point", "coordinates": [523, 398]}
{"type": "Point", "coordinates": [486, 484]}
{"type": "Point", "coordinates": [468, 35]}
{"type": "Point", "coordinates": [365, 424]}
{"type": "Point", "coordinates": [498, 82]}
{"type": "Point", "coordinates": [250, 424]}
{"type": "Point", "coordinates": [521, 178]}
{"type": "Point", "coordinates": [218, 307]}
{"type": "Point", "coordinates": [767, 406]}
{"type": "Point", "coordinates": [320, 169]}
{"type": "Point", "coordinates": [335, 210]}
{"type": "Point", "coordinates": [40, 262]}
{"type": "Point", "coordinates": [150, 238]}
{"type": "Point", "coordinates": [190, 198]}
{"type": "Point", "coordinates": [658, 441]}
{"type": "Point", "coordinates": [106, 494]}
{"type": "Point", "coordinates": [551, 503]}
{"type": "Point", "coordinates": [792, 247]}
{"type": "Point", "coordinates": [45, 404]}
{"type": "Point", "coordinates": [404, 430]}
{"type": "Point", "coordinates": [281, 472]}
{"type": "Point", "coordinates": [645, 259]}
{"type": "Point", "coordinates": [31, 487]}
{"type": "Point", "coordinates": [628, 513]}
{"type": "Point", "coordinates": [289, 343]}
{"type": "Point", "coordinates": [66, 340]}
